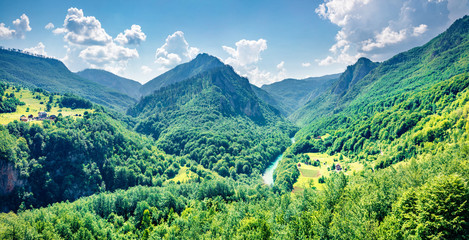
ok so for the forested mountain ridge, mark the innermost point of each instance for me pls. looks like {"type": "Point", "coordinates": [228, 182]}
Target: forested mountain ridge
{"type": "Point", "coordinates": [440, 59]}
{"type": "Point", "coordinates": [291, 94]}
{"type": "Point", "coordinates": [110, 80]}
{"type": "Point", "coordinates": [53, 76]}
{"type": "Point", "coordinates": [203, 62]}
{"type": "Point", "coordinates": [210, 118]}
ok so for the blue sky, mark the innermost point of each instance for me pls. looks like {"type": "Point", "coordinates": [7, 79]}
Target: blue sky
{"type": "Point", "coordinates": [265, 40]}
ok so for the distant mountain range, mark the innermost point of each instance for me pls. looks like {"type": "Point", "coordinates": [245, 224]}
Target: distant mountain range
{"type": "Point", "coordinates": [119, 84]}
{"type": "Point", "coordinates": [291, 94]}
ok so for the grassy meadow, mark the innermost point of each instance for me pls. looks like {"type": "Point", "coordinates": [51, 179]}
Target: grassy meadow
{"type": "Point", "coordinates": [36, 102]}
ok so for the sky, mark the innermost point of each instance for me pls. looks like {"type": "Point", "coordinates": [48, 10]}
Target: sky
{"type": "Point", "coordinates": [264, 40]}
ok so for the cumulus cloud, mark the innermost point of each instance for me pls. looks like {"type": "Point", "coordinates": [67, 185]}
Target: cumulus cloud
{"type": "Point", "coordinates": [381, 28]}
{"type": "Point", "coordinates": [132, 36]}
{"type": "Point", "coordinates": [38, 49]}
{"type": "Point", "coordinates": [384, 38]}
{"type": "Point", "coordinates": [100, 55]}
{"type": "Point", "coordinates": [49, 26]}
{"type": "Point", "coordinates": [246, 52]}
{"type": "Point", "coordinates": [146, 69]}
{"type": "Point", "coordinates": [21, 27]}
{"type": "Point", "coordinates": [88, 44]}
{"type": "Point", "coordinates": [6, 32]}
{"type": "Point", "coordinates": [245, 58]}
{"type": "Point", "coordinates": [421, 29]}
{"type": "Point", "coordinates": [83, 30]}
{"type": "Point", "coordinates": [307, 64]}
{"type": "Point", "coordinates": [175, 51]}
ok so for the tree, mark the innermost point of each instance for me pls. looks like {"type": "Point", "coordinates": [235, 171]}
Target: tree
{"type": "Point", "coordinates": [443, 209]}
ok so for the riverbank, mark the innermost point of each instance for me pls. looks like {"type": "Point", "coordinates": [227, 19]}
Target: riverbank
{"type": "Point", "coordinates": [268, 176]}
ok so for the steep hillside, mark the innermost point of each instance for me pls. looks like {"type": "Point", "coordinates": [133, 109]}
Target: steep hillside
{"type": "Point", "coordinates": [352, 75]}
{"type": "Point", "coordinates": [52, 75]}
{"type": "Point", "coordinates": [326, 102]}
{"type": "Point", "coordinates": [269, 99]}
{"type": "Point", "coordinates": [390, 114]}
{"type": "Point", "coordinates": [216, 119]}
{"type": "Point", "coordinates": [110, 80]}
{"type": "Point", "coordinates": [201, 63]}
{"type": "Point", "coordinates": [292, 94]}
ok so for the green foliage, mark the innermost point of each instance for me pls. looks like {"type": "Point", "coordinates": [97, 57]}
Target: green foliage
{"type": "Point", "coordinates": [9, 102]}
{"type": "Point", "coordinates": [216, 120]}
{"type": "Point", "coordinates": [74, 102]}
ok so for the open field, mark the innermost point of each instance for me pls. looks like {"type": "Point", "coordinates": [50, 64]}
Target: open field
{"type": "Point", "coordinates": [309, 175]}
{"type": "Point", "coordinates": [33, 106]}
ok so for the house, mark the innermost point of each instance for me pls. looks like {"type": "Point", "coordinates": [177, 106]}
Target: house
{"type": "Point", "coordinates": [338, 167]}
{"type": "Point", "coordinates": [30, 117]}
{"type": "Point", "coordinates": [52, 117]}
{"type": "Point", "coordinates": [42, 115]}
{"type": "Point", "coordinates": [23, 118]}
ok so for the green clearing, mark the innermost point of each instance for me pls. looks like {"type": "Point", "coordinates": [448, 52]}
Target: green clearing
{"type": "Point", "coordinates": [310, 174]}
{"type": "Point", "coordinates": [33, 105]}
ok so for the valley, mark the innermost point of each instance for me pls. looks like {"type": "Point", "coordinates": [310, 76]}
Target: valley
{"type": "Point", "coordinates": [378, 151]}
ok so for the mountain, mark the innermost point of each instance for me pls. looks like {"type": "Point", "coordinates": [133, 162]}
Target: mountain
{"type": "Point", "coordinates": [201, 63]}
{"type": "Point", "coordinates": [199, 116]}
{"type": "Point", "coordinates": [52, 75]}
{"type": "Point", "coordinates": [352, 75]}
{"type": "Point", "coordinates": [269, 99]}
{"type": "Point", "coordinates": [441, 58]}
{"type": "Point", "coordinates": [292, 94]}
{"type": "Point", "coordinates": [110, 80]}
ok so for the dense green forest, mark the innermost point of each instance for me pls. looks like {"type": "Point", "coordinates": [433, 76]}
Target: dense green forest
{"type": "Point", "coordinates": [215, 119]}
{"type": "Point", "coordinates": [8, 102]}
{"type": "Point", "coordinates": [186, 160]}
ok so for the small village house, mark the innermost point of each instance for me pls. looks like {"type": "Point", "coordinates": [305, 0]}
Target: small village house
{"type": "Point", "coordinates": [42, 115]}
{"type": "Point", "coordinates": [338, 167]}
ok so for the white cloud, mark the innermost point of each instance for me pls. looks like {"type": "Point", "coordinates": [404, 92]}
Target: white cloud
{"type": "Point", "coordinates": [384, 38]}
{"type": "Point", "coordinates": [100, 55]}
{"type": "Point", "coordinates": [6, 32]}
{"type": "Point", "coordinates": [421, 29]}
{"type": "Point", "coordinates": [21, 27]}
{"type": "Point", "coordinates": [88, 44]}
{"type": "Point", "coordinates": [281, 65]}
{"type": "Point", "coordinates": [133, 36]}
{"type": "Point", "coordinates": [175, 51]}
{"type": "Point", "coordinates": [307, 64]}
{"type": "Point", "coordinates": [146, 69]}
{"type": "Point", "coordinates": [81, 30]}
{"type": "Point", "coordinates": [382, 28]}
{"type": "Point", "coordinates": [245, 58]}
{"type": "Point", "coordinates": [49, 26]}
{"type": "Point", "coordinates": [246, 52]}
{"type": "Point", "coordinates": [38, 49]}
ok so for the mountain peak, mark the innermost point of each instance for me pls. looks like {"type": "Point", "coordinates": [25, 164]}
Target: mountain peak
{"type": "Point", "coordinates": [202, 63]}
{"type": "Point", "coordinates": [353, 74]}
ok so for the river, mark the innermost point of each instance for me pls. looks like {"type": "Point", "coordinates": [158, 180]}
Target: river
{"type": "Point", "coordinates": [268, 175]}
